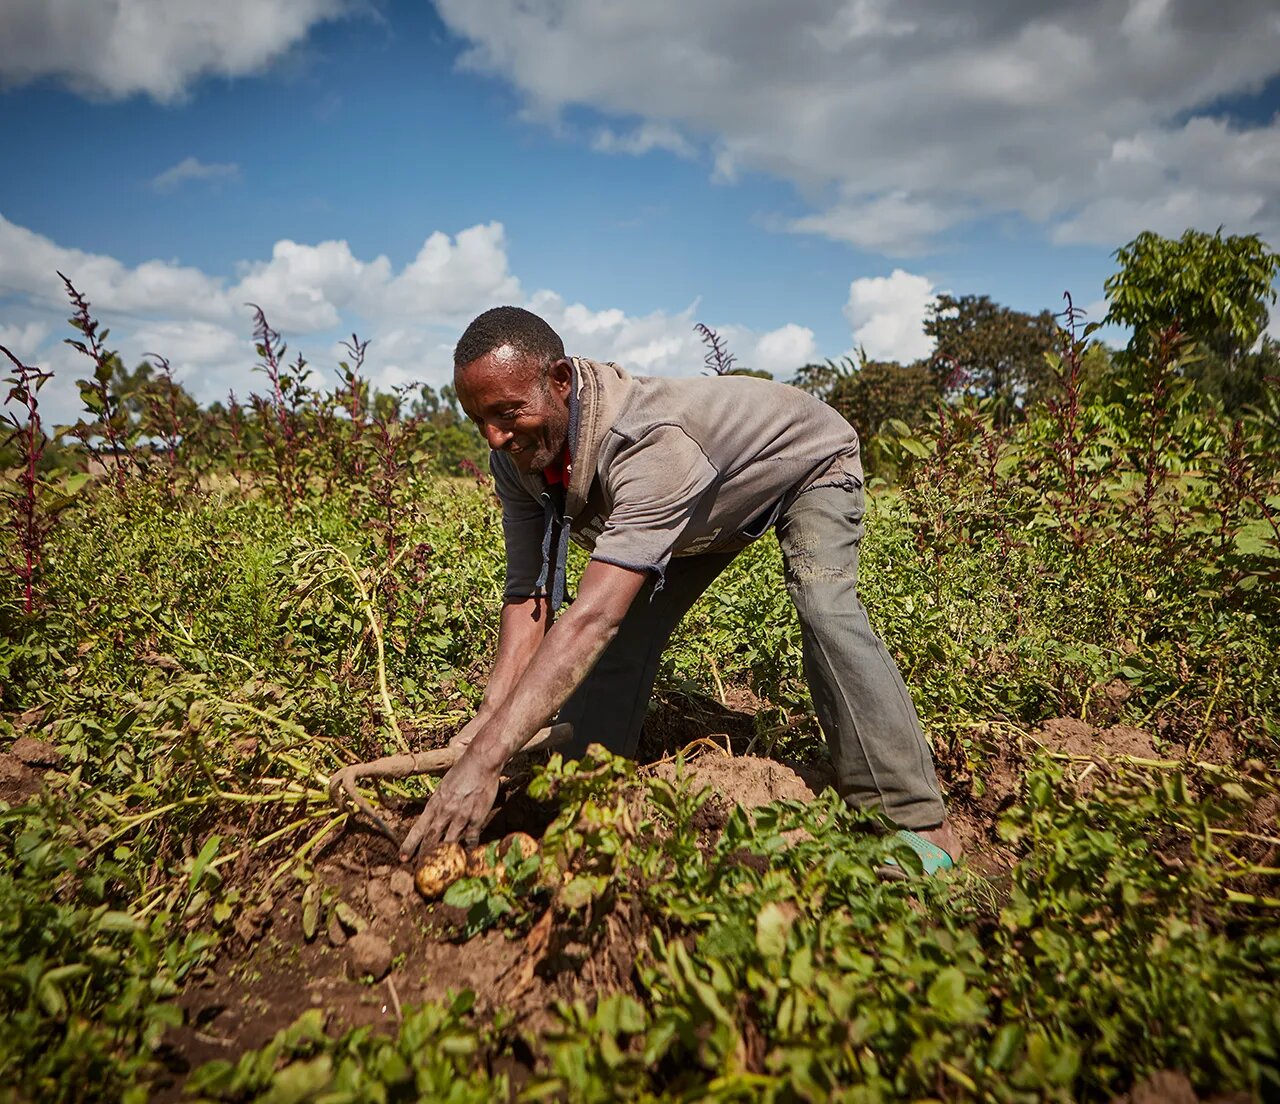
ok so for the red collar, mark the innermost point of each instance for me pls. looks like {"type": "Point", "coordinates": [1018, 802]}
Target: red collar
{"type": "Point", "coordinates": [558, 471]}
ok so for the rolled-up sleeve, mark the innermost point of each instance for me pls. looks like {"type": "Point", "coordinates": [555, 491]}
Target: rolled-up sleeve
{"type": "Point", "coordinates": [657, 483]}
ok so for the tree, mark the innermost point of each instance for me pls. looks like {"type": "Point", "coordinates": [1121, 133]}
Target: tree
{"type": "Point", "coordinates": [1211, 290]}
{"type": "Point", "coordinates": [872, 392]}
{"type": "Point", "coordinates": [991, 351]}
{"type": "Point", "coordinates": [1215, 290]}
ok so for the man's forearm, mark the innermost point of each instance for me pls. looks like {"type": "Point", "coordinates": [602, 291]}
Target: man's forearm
{"type": "Point", "coordinates": [562, 660]}
{"type": "Point", "coordinates": [521, 629]}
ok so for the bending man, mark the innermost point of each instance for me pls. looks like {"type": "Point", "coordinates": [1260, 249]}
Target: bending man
{"type": "Point", "coordinates": [664, 481]}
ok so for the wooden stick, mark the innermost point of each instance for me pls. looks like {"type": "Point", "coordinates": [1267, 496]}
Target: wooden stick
{"type": "Point", "coordinates": [342, 784]}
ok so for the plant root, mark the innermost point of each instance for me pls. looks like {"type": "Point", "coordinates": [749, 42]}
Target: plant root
{"type": "Point", "coordinates": [342, 783]}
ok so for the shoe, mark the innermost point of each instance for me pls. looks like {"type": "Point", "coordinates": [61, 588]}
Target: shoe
{"type": "Point", "coordinates": [932, 857]}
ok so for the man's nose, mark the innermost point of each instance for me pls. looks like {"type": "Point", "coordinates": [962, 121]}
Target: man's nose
{"type": "Point", "coordinates": [495, 436]}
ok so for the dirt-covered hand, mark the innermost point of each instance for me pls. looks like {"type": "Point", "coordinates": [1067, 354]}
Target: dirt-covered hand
{"type": "Point", "coordinates": [458, 808]}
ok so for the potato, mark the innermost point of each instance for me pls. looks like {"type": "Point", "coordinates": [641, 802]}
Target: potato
{"type": "Point", "coordinates": [526, 843]}
{"type": "Point", "coordinates": [479, 864]}
{"type": "Point", "coordinates": [441, 867]}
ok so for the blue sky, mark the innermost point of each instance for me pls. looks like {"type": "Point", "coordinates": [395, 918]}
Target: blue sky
{"type": "Point", "coordinates": [803, 176]}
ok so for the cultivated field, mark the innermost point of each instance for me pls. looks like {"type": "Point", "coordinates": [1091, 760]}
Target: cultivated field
{"type": "Point", "coordinates": [1084, 606]}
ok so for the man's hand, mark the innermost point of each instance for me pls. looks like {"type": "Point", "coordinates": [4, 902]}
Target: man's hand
{"type": "Point", "coordinates": [565, 655]}
{"type": "Point", "coordinates": [459, 807]}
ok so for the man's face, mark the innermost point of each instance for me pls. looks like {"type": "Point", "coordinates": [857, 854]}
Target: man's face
{"type": "Point", "coordinates": [518, 409]}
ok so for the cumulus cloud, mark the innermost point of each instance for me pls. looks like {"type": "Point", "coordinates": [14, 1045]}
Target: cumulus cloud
{"type": "Point", "coordinates": [887, 315]}
{"type": "Point", "coordinates": [903, 118]}
{"type": "Point", "coordinates": [895, 223]}
{"type": "Point", "coordinates": [317, 294]}
{"type": "Point", "coordinates": [784, 350]}
{"type": "Point", "coordinates": [658, 343]}
{"type": "Point", "coordinates": [116, 48]}
{"type": "Point", "coordinates": [302, 288]}
{"type": "Point", "coordinates": [22, 340]}
{"type": "Point", "coordinates": [193, 169]}
{"type": "Point", "coordinates": [30, 263]}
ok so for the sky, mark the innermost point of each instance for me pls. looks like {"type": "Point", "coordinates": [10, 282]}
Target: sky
{"type": "Point", "coordinates": [805, 176]}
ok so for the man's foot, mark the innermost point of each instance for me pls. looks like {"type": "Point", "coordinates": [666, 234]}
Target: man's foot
{"type": "Point", "coordinates": [942, 836]}
{"type": "Point", "coordinates": [938, 848]}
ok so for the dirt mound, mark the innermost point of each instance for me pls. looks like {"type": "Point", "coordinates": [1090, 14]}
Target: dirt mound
{"type": "Point", "coordinates": [1075, 737]}
{"type": "Point", "coordinates": [17, 780]}
{"type": "Point", "coordinates": [748, 780]}
{"type": "Point", "coordinates": [20, 768]}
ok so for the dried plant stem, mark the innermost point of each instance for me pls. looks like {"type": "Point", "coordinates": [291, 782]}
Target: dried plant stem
{"type": "Point", "coordinates": [366, 605]}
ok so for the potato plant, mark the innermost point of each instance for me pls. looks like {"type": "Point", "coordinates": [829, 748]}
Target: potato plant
{"type": "Point", "coordinates": [193, 668]}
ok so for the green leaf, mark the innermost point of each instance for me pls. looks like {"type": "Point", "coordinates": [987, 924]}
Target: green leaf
{"type": "Point", "coordinates": [578, 892]}
{"type": "Point", "coordinates": [1004, 1046]}
{"type": "Point", "coordinates": [311, 911]}
{"type": "Point", "coordinates": [772, 928]}
{"type": "Point", "coordinates": [118, 922]}
{"type": "Point", "coordinates": [202, 861]}
{"type": "Point", "coordinates": [348, 917]}
{"type": "Point", "coordinates": [300, 1081]}
{"type": "Point", "coordinates": [466, 892]}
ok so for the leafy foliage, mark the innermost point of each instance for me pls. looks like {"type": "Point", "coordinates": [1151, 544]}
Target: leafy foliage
{"type": "Point", "coordinates": [202, 661]}
{"type": "Point", "coordinates": [1213, 289]}
{"type": "Point", "coordinates": [992, 352]}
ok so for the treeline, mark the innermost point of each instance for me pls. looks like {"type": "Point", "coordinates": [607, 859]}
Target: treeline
{"type": "Point", "coordinates": [1203, 298]}
{"type": "Point", "coordinates": [293, 432]}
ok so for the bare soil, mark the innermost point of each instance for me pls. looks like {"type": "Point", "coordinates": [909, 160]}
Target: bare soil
{"type": "Point", "coordinates": [265, 979]}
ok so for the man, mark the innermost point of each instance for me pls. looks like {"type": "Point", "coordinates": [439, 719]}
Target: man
{"type": "Point", "coordinates": [665, 480]}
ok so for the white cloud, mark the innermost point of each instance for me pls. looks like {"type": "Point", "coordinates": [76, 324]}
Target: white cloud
{"type": "Point", "coordinates": [30, 263]}
{"type": "Point", "coordinates": [449, 281]}
{"type": "Point", "coordinates": [1134, 188]}
{"type": "Point", "coordinates": [784, 350]}
{"type": "Point", "coordinates": [899, 119]}
{"type": "Point", "coordinates": [644, 139]}
{"type": "Point", "coordinates": [887, 315]}
{"type": "Point", "coordinates": [22, 340]}
{"type": "Point", "coordinates": [659, 343]}
{"type": "Point", "coordinates": [302, 288]}
{"type": "Point", "coordinates": [192, 168]}
{"type": "Point", "coordinates": [895, 223]}
{"type": "Point", "coordinates": [117, 48]}
{"type": "Point", "coordinates": [317, 295]}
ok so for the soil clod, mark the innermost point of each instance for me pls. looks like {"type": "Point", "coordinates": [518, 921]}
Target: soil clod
{"type": "Point", "coordinates": [370, 954]}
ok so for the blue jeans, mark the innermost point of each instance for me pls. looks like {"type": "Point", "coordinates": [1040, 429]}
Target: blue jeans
{"type": "Point", "coordinates": [870, 723]}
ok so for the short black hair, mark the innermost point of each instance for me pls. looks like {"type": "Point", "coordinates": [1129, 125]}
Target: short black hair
{"type": "Point", "coordinates": [523, 330]}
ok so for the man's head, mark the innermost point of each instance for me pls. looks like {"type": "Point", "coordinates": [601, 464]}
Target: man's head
{"type": "Point", "coordinates": [512, 379]}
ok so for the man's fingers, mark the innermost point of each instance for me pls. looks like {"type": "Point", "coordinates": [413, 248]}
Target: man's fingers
{"type": "Point", "coordinates": [417, 834]}
{"type": "Point", "coordinates": [453, 833]}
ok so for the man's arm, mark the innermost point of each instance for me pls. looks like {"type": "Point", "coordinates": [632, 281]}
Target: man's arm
{"type": "Point", "coordinates": [522, 625]}
{"type": "Point", "coordinates": [563, 658]}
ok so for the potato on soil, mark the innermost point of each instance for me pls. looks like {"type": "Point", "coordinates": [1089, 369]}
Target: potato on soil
{"type": "Point", "coordinates": [480, 865]}
{"type": "Point", "coordinates": [526, 843]}
{"type": "Point", "coordinates": [441, 867]}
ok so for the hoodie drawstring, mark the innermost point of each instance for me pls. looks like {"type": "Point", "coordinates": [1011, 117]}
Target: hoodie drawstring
{"type": "Point", "coordinates": [555, 551]}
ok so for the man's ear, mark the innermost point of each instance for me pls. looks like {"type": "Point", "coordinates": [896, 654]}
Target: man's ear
{"type": "Point", "coordinates": [561, 375]}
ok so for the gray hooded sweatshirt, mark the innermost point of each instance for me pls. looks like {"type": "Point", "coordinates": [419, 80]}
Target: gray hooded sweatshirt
{"type": "Point", "coordinates": [667, 467]}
